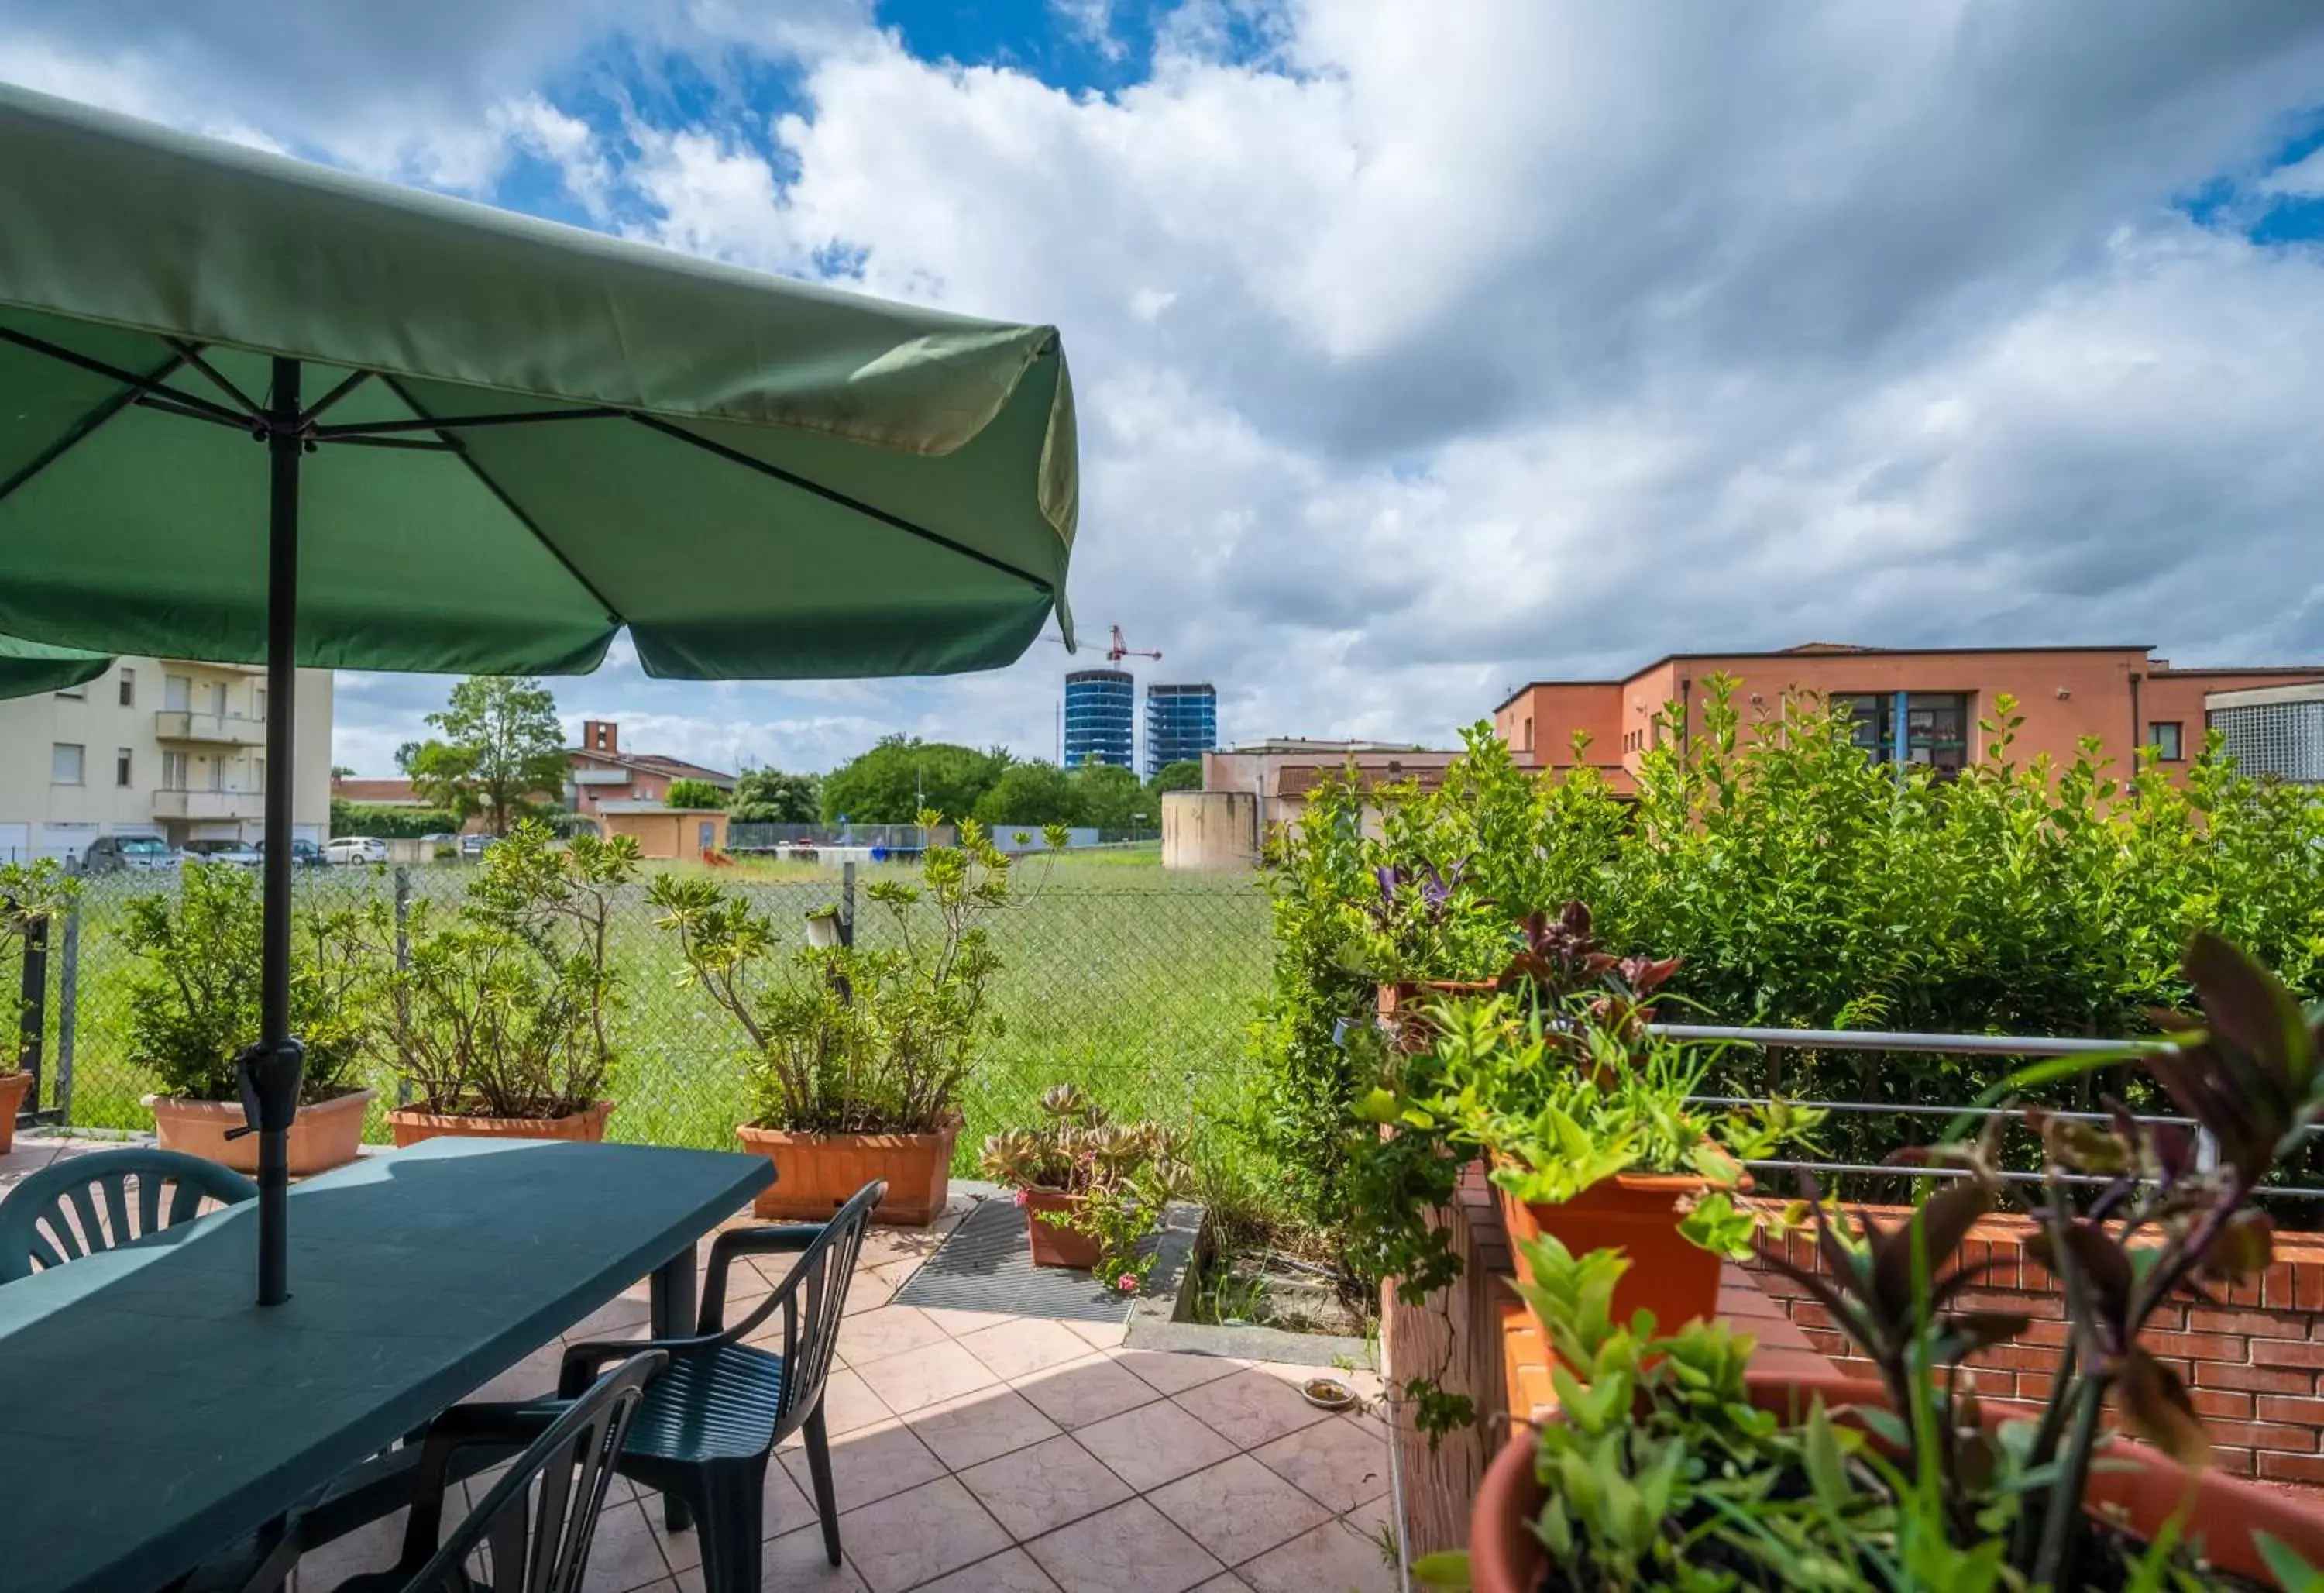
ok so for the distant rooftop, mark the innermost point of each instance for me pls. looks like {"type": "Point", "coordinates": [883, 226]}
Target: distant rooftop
{"type": "Point", "coordinates": [1280, 744]}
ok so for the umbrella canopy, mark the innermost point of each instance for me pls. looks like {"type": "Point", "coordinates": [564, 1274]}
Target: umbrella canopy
{"type": "Point", "coordinates": [255, 408]}
{"type": "Point", "coordinates": [27, 669]}
{"type": "Point", "coordinates": [760, 479]}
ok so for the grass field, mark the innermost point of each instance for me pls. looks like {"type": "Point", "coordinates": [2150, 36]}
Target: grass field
{"type": "Point", "coordinates": [1137, 984]}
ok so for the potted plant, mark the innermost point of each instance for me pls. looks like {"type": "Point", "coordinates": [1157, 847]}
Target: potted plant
{"type": "Point", "coordinates": [857, 1054]}
{"type": "Point", "coordinates": [1423, 921]}
{"type": "Point", "coordinates": [499, 1021]}
{"type": "Point", "coordinates": [1591, 1122]}
{"type": "Point", "coordinates": [30, 893]}
{"type": "Point", "coordinates": [1906, 1481]}
{"type": "Point", "coordinates": [195, 1004]}
{"type": "Point", "coordinates": [1091, 1189]}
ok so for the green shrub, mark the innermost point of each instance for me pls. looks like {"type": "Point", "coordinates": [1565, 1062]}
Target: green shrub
{"type": "Point", "coordinates": [390, 823]}
{"type": "Point", "coordinates": [1800, 885]}
{"type": "Point", "coordinates": [195, 992]}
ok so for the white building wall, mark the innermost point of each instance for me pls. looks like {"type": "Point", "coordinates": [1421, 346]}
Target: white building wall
{"type": "Point", "coordinates": [192, 772]}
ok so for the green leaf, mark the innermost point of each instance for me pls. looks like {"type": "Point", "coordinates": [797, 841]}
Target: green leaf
{"type": "Point", "coordinates": [1447, 1569]}
{"type": "Point", "coordinates": [2292, 1572]}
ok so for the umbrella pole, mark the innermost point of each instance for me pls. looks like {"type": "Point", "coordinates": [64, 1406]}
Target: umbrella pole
{"type": "Point", "coordinates": [270, 1078]}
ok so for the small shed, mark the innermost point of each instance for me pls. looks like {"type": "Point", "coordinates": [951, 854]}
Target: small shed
{"type": "Point", "coordinates": [666, 832]}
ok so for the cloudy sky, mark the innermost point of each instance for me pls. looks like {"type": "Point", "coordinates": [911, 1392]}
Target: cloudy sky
{"type": "Point", "coordinates": [1424, 348]}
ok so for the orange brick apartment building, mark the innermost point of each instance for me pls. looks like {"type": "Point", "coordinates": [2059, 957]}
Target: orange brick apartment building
{"type": "Point", "coordinates": [1915, 705]}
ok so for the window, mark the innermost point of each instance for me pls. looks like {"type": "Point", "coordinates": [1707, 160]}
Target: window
{"type": "Point", "coordinates": [2165, 737]}
{"type": "Point", "coordinates": [128, 686]}
{"type": "Point", "coordinates": [258, 766]}
{"type": "Point", "coordinates": [65, 759]}
{"type": "Point", "coordinates": [173, 770]}
{"type": "Point", "coordinates": [121, 766]}
{"type": "Point", "coordinates": [177, 693]}
{"type": "Point", "coordinates": [1528, 732]}
{"type": "Point", "coordinates": [258, 700]}
{"type": "Point", "coordinates": [218, 697]}
{"type": "Point", "coordinates": [1935, 731]}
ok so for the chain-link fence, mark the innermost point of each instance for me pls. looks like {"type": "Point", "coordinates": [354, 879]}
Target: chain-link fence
{"type": "Point", "coordinates": [1136, 984]}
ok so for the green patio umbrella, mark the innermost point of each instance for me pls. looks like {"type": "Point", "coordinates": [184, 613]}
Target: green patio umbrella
{"type": "Point", "coordinates": [255, 408]}
{"type": "Point", "coordinates": [27, 669]}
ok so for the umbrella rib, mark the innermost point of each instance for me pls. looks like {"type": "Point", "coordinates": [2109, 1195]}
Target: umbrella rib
{"type": "Point", "coordinates": [484, 478]}
{"type": "Point", "coordinates": [833, 494]}
{"type": "Point", "coordinates": [155, 401]}
{"type": "Point", "coordinates": [373, 427]}
{"type": "Point", "coordinates": [333, 396]}
{"type": "Point", "coordinates": [193, 353]}
{"type": "Point", "coordinates": [112, 405]}
{"type": "Point", "coordinates": [139, 386]}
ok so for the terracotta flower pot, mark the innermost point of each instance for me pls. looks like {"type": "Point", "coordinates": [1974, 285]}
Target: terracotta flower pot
{"type": "Point", "coordinates": [815, 1174]}
{"type": "Point", "coordinates": [412, 1125]}
{"type": "Point", "coordinates": [13, 1088]}
{"type": "Point", "coordinates": [2142, 1484]}
{"type": "Point", "coordinates": [1055, 1243]}
{"type": "Point", "coordinates": [1638, 1214]}
{"type": "Point", "coordinates": [325, 1134]}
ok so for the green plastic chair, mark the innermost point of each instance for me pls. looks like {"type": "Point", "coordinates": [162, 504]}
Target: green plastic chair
{"type": "Point", "coordinates": [708, 1425]}
{"type": "Point", "coordinates": [77, 1205]}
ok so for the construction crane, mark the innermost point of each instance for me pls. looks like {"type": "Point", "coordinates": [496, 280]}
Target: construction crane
{"type": "Point", "coordinates": [1119, 650]}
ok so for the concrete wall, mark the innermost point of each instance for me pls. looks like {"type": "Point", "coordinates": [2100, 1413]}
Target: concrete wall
{"type": "Point", "coordinates": [40, 815]}
{"type": "Point", "coordinates": [1209, 830]}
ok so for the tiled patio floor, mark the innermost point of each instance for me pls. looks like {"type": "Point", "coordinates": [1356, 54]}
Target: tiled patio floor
{"type": "Point", "coordinates": [992, 1454]}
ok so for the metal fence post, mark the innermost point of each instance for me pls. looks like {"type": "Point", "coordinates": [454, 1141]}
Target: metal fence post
{"type": "Point", "coordinates": [68, 1010]}
{"type": "Point", "coordinates": [402, 958]}
{"type": "Point", "coordinates": [847, 904]}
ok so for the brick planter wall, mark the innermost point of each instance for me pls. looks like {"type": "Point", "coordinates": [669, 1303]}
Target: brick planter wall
{"type": "Point", "coordinates": [1457, 1329]}
{"type": "Point", "coordinates": [2252, 1367]}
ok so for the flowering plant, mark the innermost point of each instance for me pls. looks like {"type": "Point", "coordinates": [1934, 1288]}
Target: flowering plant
{"type": "Point", "coordinates": [1120, 1175]}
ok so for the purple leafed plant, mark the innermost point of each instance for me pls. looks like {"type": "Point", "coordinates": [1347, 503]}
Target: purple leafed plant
{"type": "Point", "coordinates": [2162, 1225]}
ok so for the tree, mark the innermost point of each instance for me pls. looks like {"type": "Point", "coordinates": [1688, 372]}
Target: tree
{"type": "Point", "coordinates": [891, 782]}
{"type": "Point", "coordinates": [1185, 775]}
{"type": "Point", "coordinates": [500, 753]}
{"type": "Point", "coordinates": [694, 793]}
{"type": "Point", "coordinates": [341, 771]}
{"type": "Point", "coordinates": [1026, 797]}
{"type": "Point", "coordinates": [769, 796]}
{"type": "Point", "coordinates": [1109, 798]}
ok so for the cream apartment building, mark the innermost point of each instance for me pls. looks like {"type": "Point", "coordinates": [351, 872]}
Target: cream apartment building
{"type": "Point", "coordinates": [155, 746]}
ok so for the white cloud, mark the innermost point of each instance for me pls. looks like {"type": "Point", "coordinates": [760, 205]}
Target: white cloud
{"type": "Point", "coordinates": [1422, 348]}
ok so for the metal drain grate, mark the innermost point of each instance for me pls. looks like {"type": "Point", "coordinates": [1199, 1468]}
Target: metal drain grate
{"type": "Point", "coordinates": [986, 1264]}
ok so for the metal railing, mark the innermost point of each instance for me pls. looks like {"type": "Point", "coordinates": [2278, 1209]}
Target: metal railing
{"type": "Point", "coordinates": [2207, 1150]}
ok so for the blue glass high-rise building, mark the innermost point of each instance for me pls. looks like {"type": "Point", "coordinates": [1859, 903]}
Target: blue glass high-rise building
{"type": "Point", "coordinates": [1101, 718]}
{"type": "Point", "coordinates": [1181, 722]}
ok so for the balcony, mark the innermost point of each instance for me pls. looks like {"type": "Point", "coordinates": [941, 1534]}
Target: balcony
{"type": "Point", "coordinates": [217, 667]}
{"type": "Point", "coordinates": [226, 729]}
{"type": "Point", "coordinates": [209, 805]}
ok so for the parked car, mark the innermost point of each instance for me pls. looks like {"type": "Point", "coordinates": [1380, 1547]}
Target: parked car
{"type": "Point", "coordinates": [304, 853]}
{"type": "Point", "coordinates": [355, 848]}
{"type": "Point", "coordinates": [472, 846]}
{"type": "Point", "coordinates": [238, 854]}
{"type": "Point", "coordinates": [111, 854]}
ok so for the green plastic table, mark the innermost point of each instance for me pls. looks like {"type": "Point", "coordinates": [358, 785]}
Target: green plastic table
{"type": "Point", "coordinates": [151, 1414]}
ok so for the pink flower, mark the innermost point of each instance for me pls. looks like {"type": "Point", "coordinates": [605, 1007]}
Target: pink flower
{"type": "Point", "coordinates": [1129, 1284]}
{"type": "Point", "coordinates": [1021, 1198]}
